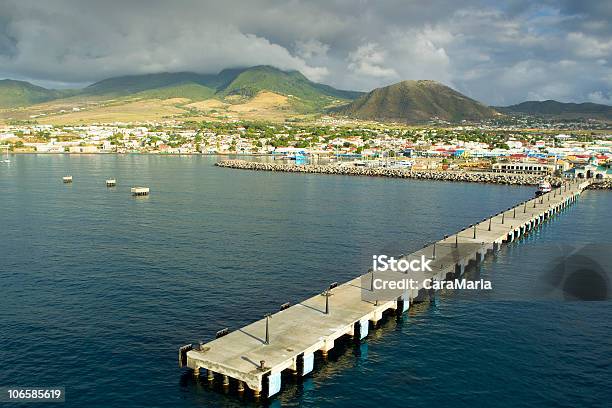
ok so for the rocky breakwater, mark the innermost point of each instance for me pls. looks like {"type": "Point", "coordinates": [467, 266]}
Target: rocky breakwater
{"type": "Point", "coordinates": [600, 185]}
{"type": "Point", "coordinates": [463, 176]}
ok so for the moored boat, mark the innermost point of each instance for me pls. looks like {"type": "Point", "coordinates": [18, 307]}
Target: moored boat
{"type": "Point", "coordinates": [543, 188]}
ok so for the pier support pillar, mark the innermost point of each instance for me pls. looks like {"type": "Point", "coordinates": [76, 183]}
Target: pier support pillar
{"type": "Point", "coordinates": [196, 372]}
{"type": "Point", "coordinates": [225, 381]}
{"type": "Point", "coordinates": [376, 317]}
{"type": "Point", "coordinates": [327, 345]}
{"type": "Point", "coordinates": [210, 375]}
{"type": "Point", "coordinates": [240, 388]}
{"type": "Point", "coordinates": [480, 255]}
{"type": "Point", "coordinates": [460, 268]}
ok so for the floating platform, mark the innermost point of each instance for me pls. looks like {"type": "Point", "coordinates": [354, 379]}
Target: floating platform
{"type": "Point", "coordinates": [111, 183]}
{"type": "Point", "coordinates": [254, 356]}
{"type": "Point", "coordinates": [140, 191]}
{"type": "Point", "coordinates": [67, 179]}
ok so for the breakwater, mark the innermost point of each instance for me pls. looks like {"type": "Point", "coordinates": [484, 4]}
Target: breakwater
{"type": "Point", "coordinates": [460, 176]}
{"type": "Point", "coordinates": [475, 177]}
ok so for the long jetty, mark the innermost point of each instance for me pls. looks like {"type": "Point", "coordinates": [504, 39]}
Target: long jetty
{"type": "Point", "coordinates": [255, 356]}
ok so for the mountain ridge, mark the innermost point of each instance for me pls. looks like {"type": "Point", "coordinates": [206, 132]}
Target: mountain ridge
{"type": "Point", "coordinates": [15, 93]}
{"type": "Point", "coordinates": [416, 101]}
{"type": "Point", "coordinates": [551, 107]}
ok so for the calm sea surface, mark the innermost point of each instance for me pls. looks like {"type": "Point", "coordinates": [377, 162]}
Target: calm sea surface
{"type": "Point", "coordinates": [99, 289]}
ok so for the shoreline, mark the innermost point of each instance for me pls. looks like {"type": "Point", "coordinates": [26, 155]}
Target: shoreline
{"type": "Point", "coordinates": [436, 175]}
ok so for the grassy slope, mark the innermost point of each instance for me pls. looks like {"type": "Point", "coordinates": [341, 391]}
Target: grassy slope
{"type": "Point", "coordinates": [19, 93]}
{"type": "Point", "coordinates": [554, 108]}
{"type": "Point", "coordinates": [310, 96]}
{"type": "Point", "coordinates": [131, 84]}
{"type": "Point", "coordinates": [193, 91]}
{"type": "Point", "coordinates": [236, 86]}
{"type": "Point", "coordinates": [415, 101]}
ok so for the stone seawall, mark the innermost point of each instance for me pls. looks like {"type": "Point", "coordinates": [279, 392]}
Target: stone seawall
{"type": "Point", "coordinates": [462, 176]}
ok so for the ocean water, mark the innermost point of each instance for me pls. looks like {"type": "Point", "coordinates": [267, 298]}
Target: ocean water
{"type": "Point", "coordinates": [99, 289]}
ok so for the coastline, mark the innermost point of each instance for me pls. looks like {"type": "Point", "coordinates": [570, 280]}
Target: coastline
{"type": "Point", "coordinates": [455, 176]}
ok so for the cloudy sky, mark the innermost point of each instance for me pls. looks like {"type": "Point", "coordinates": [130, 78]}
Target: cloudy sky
{"type": "Point", "coordinates": [555, 49]}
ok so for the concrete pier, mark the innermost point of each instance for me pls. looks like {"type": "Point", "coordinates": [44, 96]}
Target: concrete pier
{"type": "Point", "coordinates": [255, 356]}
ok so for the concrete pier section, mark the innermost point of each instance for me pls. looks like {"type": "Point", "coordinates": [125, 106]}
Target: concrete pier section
{"type": "Point", "coordinates": [255, 355]}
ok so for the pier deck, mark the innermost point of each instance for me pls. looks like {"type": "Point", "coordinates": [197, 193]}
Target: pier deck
{"type": "Point", "coordinates": [299, 331]}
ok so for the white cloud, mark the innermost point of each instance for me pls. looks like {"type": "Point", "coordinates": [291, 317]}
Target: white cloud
{"type": "Point", "coordinates": [599, 97]}
{"type": "Point", "coordinates": [497, 55]}
{"type": "Point", "coordinates": [311, 48]}
{"type": "Point", "coordinates": [369, 59]}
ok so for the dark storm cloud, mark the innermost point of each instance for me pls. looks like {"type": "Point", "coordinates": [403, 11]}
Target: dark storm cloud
{"type": "Point", "coordinates": [499, 54]}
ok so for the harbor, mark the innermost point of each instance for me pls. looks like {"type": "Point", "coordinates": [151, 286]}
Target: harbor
{"type": "Point", "coordinates": [255, 356]}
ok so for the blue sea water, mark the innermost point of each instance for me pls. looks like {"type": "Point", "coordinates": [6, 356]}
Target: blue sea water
{"type": "Point", "coordinates": [99, 289]}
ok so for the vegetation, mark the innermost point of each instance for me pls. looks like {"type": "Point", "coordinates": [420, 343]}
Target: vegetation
{"type": "Point", "coordinates": [416, 101]}
{"type": "Point", "coordinates": [19, 93]}
{"type": "Point", "coordinates": [559, 109]}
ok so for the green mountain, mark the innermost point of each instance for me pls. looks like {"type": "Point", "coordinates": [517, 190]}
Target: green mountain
{"type": "Point", "coordinates": [552, 108]}
{"type": "Point", "coordinates": [15, 94]}
{"type": "Point", "coordinates": [131, 84]}
{"type": "Point", "coordinates": [189, 90]}
{"type": "Point", "coordinates": [252, 80]}
{"type": "Point", "coordinates": [242, 82]}
{"type": "Point", "coordinates": [416, 101]}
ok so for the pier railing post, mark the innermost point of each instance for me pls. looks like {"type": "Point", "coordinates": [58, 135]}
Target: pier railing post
{"type": "Point", "coordinates": [525, 208]}
{"type": "Point", "coordinates": [474, 231]}
{"type": "Point", "coordinates": [268, 316]}
{"type": "Point", "coordinates": [514, 212]}
{"type": "Point", "coordinates": [503, 217]}
{"type": "Point", "coordinates": [456, 240]}
{"type": "Point", "coordinates": [372, 280]}
{"type": "Point", "coordinates": [434, 251]}
{"type": "Point", "coordinates": [490, 224]}
{"type": "Point", "coordinates": [327, 295]}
